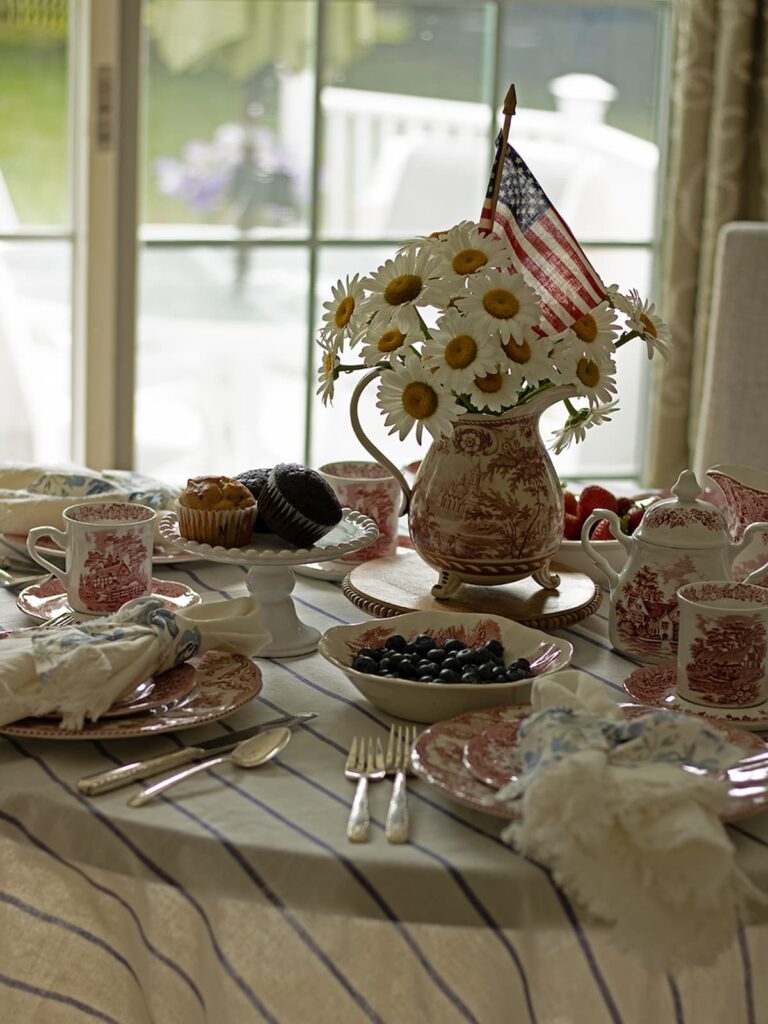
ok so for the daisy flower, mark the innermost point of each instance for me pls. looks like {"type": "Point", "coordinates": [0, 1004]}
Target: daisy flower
{"type": "Point", "coordinates": [460, 350]}
{"type": "Point", "coordinates": [579, 422]}
{"type": "Point", "coordinates": [327, 372]}
{"type": "Point", "coordinates": [529, 357]}
{"type": "Point", "coordinates": [342, 318]}
{"type": "Point", "coordinates": [641, 317]}
{"type": "Point", "coordinates": [616, 299]}
{"type": "Point", "coordinates": [467, 250]}
{"type": "Point", "coordinates": [422, 242]}
{"type": "Point", "coordinates": [398, 287]}
{"type": "Point", "coordinates": [383, 344]}
{"type": "Point", "coordinates": [503, 301]}
{"type": "Point", "coordinates": [494, 391]}
{"type": "Point", "coordinates": [409, 395]}
{"type": "Point", "coordinates": [593, 376]}
{"type": "Point", "coordinates": [594, 332]}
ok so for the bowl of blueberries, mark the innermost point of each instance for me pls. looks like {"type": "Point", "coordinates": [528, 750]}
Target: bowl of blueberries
{"type": "Point", "coordinates": [427, 666]}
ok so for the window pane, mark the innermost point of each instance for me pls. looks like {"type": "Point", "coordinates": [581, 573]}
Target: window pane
{"type": "Point", "coordinates": [35, 350]}
{"type": "Point", "coordinates": [406, 120]}
{"type": "Point", "coordinates": [228, 113]}
{"type": "Point", "coordinates": [221, 360]}
{"type": "Point", "coordinates": [34, 115]}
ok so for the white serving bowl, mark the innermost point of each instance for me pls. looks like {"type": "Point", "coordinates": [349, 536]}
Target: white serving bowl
{"type": "Point", "coordinates": [431, 702]}
{"type": "Point", "coordinates": [573, 556]}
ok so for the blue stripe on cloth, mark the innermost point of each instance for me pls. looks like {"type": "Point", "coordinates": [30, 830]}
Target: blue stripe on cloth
{"type": "Point", "coordinates": [320, 611]}
{"type": "Point", "coordinates": [163, 875]}
{"type": "Point", "coordinates": [150, 947]}
{"type": "Point", "coordinates": [562, 898]}
{"type": "Point", "coordinates": [59, 922]}
{"type": "Point", "coordinates": [58, 997]}
{"type": "Point", "coordinates": [749, 995]}
{"type": "Point", "coordinates": [196, 579]}
{"type": "Point", "coordinates": [677, 1002]}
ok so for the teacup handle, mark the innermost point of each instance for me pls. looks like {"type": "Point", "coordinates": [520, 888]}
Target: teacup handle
{"type": "Point", "coordinates": [369, 446]}
{"type": "Point", "coordinates": [57, 535]}
{"type": "Point", "coordinates": [586, 542]}
{"type": "Point", "coordinates": [751, 530]}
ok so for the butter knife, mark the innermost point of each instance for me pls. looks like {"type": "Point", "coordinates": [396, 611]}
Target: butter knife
{"type": "Point", "coordinates": [114, 778]}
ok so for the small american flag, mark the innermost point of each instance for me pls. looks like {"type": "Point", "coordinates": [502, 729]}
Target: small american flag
{"type": "Point", "coordinates": [546, 253]}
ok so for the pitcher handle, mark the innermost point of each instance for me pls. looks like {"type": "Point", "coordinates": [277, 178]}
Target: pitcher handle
{"type": "Point", "coordinates": [369, 446]}
{"type": "Point", "coordinates": [586, 543]}
{"type": "Point", "coordinates": [756, 575]}
{"type": "Point", "coordinates": [46, 531]}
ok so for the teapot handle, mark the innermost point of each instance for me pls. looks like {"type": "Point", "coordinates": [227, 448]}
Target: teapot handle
{"type": "Point", "coordinates": [586, 543]}
{"type": "Point", "coordinates": [369, 446]}
{"type": "Point", "coordinates": [751, 530]}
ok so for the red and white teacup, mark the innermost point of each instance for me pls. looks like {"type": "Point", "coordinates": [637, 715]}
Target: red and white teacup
{"type": "Point", "coordinates": [367, 487]}
{"type": "Point", "coordinates": [722, 654]}
{"type": "Point", "coordinates": [108, 550]}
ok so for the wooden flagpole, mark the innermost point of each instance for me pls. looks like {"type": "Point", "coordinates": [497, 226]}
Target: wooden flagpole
{"type": "Point", "coordinates": [510, 106]}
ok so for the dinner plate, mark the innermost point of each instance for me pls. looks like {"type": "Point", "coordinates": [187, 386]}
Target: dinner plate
{"type": "Point", "coordinates": [149, 694]}
{"type": "Point", "coordinates": [48, 600]}
{"type": "Point", "coordinates": [439, 759]}
{"type": "Point", "coordinates": [655, 685]}
{"type": "Point", "coordinates": [225, 682]}
{"type": "Point", "coordinates": [161, 555]}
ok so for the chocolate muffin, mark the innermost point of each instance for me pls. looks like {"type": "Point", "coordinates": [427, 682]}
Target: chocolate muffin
{"type": "Point", "coordinates": [254, 480]}
{"type": "Point", "coordinates": [298, 505]}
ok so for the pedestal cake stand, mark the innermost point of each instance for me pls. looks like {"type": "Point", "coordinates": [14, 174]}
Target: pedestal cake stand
{"type": "Point", "coordinates": [270, 577]}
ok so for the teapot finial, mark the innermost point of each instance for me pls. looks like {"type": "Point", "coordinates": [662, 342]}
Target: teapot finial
{"type": "Point", "coordinates": [687, 488]}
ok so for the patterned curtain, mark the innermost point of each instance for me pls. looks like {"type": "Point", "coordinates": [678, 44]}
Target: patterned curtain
{"type": "Point", "coordinates": [717, 172]}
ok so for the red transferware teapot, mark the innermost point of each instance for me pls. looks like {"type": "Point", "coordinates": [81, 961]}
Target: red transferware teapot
{"type": "Point", "coordinates": [679, 540]}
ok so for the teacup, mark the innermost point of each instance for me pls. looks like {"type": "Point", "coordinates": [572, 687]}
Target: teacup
{"type": "Point", "coordinates": [368, 488]}
{"type": "Point", "coordinates": [722, 654]}
{"type": "Point", "coordinates": [108, 550]}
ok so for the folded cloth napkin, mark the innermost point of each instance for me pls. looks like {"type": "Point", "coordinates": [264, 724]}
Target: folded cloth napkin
{"type": "Point", "coordinates": [37, 495]}
{"type": "Point", "coordinates": [625, 830]}
{"type": "Point", "coordinates": [82, 670]}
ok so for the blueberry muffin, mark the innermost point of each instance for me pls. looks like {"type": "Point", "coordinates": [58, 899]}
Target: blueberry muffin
{"type": "Point", "coordinates": [216, 510]}
{"type": "Point", "coordinates": [298, 505]}
{"type": "Point", "coordinates": [254, 480]}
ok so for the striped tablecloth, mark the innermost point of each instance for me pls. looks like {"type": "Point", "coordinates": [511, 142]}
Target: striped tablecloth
{"type": "Point", "coordinates": [238, 899]}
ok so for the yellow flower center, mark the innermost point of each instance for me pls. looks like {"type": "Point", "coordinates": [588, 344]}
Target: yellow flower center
{"type": "Point", "coordinates": [468, 261]}
{"type": "Point", "coordinates": [344, 311]}
{"type": "Point", "coordinates": [588, 372]}
{"type": "Point", "coordinates": [460, 351]}
{"type": "Point", "coordinates": [404, 288]}
{"type": "Point", "coordinates": [419, 400]}
{"type": "Point", "coordinates": [585, 327]}
{"type": "Point", "coordinates": [327, 365]}
{"type": "Point", "coordinates": [490, 383]}
{"type": "Point", "coordinates": [648, 325]}
{"type": "Point", "coordinates": [390, 340]}
{"type": "Point", "coordinates": [501, 303]}
{"type": "Point", "coordinates": [518, 353]}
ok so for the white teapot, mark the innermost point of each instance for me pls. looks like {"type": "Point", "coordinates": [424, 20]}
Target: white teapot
{"type": "Point", "coordinates": [679, 540]}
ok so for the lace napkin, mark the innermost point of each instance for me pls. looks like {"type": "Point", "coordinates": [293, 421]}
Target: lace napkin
{"type": "Point", "coordinates": [37, 495]}
{"type": "Point", "coordinates": [625, 830]}
{"type": "Point", "coordinates": [82, 670]}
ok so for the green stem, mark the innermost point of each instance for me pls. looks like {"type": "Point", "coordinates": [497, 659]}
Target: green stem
{"type": "Point", "coordinates": [627, 337]}
{"type": "Point", "coordinates": [572, 410]}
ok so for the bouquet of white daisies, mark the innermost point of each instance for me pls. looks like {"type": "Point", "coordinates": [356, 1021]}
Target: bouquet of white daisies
{"type": "Point", "coordinates": [454, 329]}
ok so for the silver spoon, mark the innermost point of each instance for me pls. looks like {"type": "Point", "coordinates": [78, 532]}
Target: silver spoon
{"type": "Point", "coordinates": [248, 754]}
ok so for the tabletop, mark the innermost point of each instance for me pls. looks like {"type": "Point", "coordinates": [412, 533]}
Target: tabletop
{"type": "Point", "coordinates": [238, 898]}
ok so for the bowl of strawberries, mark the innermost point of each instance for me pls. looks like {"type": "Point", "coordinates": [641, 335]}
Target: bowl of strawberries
{"type": "Point", "coordinates": [577, 507]}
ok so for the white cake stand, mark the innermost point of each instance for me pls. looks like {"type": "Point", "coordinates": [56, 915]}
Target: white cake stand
{"type": "Point", "coordinates": [270, 577]}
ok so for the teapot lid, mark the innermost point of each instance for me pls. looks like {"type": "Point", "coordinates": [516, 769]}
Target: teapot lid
{"type": "Point", "coordinates": [684, 521]}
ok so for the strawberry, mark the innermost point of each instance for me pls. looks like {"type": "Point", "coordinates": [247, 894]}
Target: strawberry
{"type": "Point", "coordinates": [571, 503]}
{"type": "Point", "coordinates": [623, 505]}
{"type": "Point", "coordinates": [602, 531]}
{"type": "Point", "coordinates": [634, 516]}
{"type": "Point", "coordinates": [572, 529]}
{"type": "Point", "coordinates": [594, 496]}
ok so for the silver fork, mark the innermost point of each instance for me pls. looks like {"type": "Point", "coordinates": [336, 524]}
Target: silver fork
{"type": "Point", "coordinates": [12, 580]}
{"type": "Point", "coordinates": [398, 762]}
{"type": "Point", "coordinates": [364, 763]}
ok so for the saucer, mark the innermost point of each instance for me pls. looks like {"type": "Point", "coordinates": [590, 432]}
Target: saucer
{"type": "Point", "coordinates": [655, 685]}
{"type": "Point", "coordinates": [44, 601]}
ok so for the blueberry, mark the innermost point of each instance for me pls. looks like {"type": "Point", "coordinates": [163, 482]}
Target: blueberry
{"type": "Point", "coordinates": [467, 657]}
{"type": "Point", "coordinates": [522, 663]}
{"type": "Point", "coordinates": [514, 675]}
{"type": "Point", "coordinates": [452, 663]}
{"type": "Point", "coordinates": [396, 642]}
{"type": "Point", "coordinates": [437, 655]}
{"type": "Point", "coordinates": [424, 640]}
{"type": "Point", "coordinates": [499, 673]}
{"type": "Point", "coordinates": [447, 675]}
{"type": "Point", "coordinates": [482, 656]}
{"type": "Point", "coordinates": [365, 664]}
{"type": "Point", "coordinates": [406, 669]}
{"type": "Point", "coordinates": [470, 677]}
{"type": "Point", "coordinates": [394, 658]}
{"type": "Point", "coordinates": [495, 648]}
{"type": "Point", "coordinates": [487, 673]}
{"type": "Point", "coordinates": [453, 645]}
{"type": "Point", "coordinates": [370, 652]}
{"type": "Point", "coordinates": [426, 675]}
{"type": "Point", "coordinates": [385, 665]}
